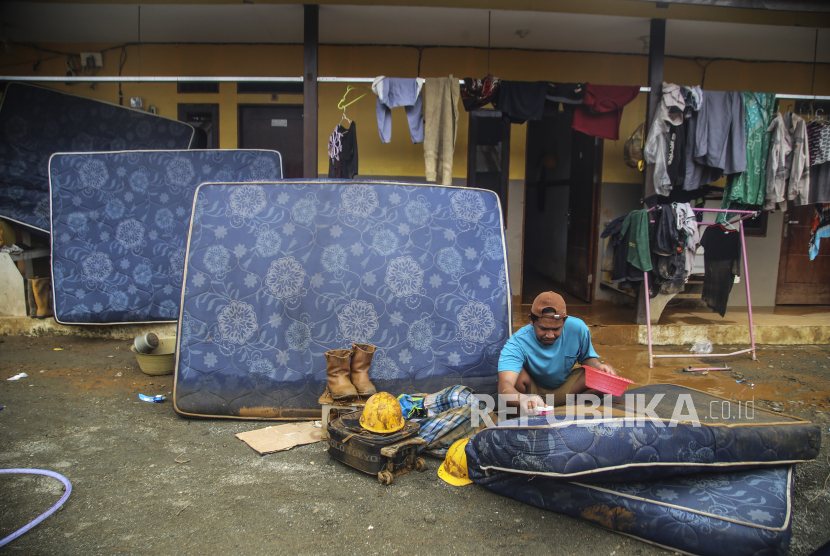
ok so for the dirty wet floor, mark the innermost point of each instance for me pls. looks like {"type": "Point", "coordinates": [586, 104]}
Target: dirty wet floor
{"type": "Point", "coordinates": [146, 481]}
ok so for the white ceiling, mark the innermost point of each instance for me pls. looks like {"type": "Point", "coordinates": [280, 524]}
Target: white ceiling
{"type": "Point", "coordinates": [279, 23]}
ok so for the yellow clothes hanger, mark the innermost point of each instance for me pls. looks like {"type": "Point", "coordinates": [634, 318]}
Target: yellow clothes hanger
{"type": "Point", "coordinates": [349, 89]}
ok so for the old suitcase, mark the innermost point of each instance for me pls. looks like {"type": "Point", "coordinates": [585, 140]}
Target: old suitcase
{"type": "Point", "coordinates": [383, 455]}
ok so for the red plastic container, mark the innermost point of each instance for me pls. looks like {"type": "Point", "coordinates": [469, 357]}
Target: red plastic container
{"type": "Point", "coordinates": [604, 382]}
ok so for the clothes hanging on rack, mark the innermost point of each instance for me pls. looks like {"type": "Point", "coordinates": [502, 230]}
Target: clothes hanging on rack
{"type": "Point", "coordinates": [662, 143]}
{"type": "Point", "coordinates": [818, 138]}
{"type": "Point", "coordinates": [567, 93]}
{"type": "Point", "coordinates": [440, 128]}
{"type": "Point", "coordinates": [476, 93]}
{"type": "Point", "coordinates": [600, 113]}
{"type": "Point", "coordinates": [799, 160]}
{"type": "Point", "coordinates": [781, 145]}
{"type": "Point", "coordinates": [393, 92]}
{"type": "Point", "coordinates": [821, 228]}
{"type": "Point", "coordinates": [820, 183]}
{"type": "Point", "coordinates": [750, 186]}
{"type": "Point", "coordinates": [722, 262]}
{"type": "Point", "coordinates": [687, 222]}
{"type": "Point", "coordinates": [343, 163]}
{"type": "Point", "coordinates": [520, 101]}
{"type": "Point", "coordinates": [668, 275]}
{"type": "Point", "coordinates": [639, 253]}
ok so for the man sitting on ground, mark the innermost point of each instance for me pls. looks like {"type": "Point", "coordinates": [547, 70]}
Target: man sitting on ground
{"type": "Point", "coordinates": [538, 360]}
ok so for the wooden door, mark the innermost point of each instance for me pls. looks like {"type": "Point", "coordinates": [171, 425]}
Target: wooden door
{"type": "Point", "coordinates": [274, 127]}
{"type": "Point", "coordinates": [800, 280]}
{"type": "Point", "coordinates": [583, 200]}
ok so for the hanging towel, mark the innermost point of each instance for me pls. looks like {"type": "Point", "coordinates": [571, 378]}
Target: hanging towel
{"type": "Point", "coordinates": [441, 126]}
{"type": "Point", "coordinates": [600, 113]}
{"type": "Point", "coordinates": [520, 101]}
{"type": "Point", "coordinates": [639, 253]}
{"type": "Point", "coordinates": [750, 186]}
{"type": "Point", "coordinates": [393, 92]}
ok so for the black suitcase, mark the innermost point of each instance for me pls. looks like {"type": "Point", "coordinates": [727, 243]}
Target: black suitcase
{"type": "Point", "coordinates": [383, 455]}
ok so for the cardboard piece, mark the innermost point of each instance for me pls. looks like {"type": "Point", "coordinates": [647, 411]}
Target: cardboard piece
{"type": "Point", "coordinates": [281, 437]}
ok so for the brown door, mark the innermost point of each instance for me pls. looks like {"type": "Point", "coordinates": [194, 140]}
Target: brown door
{"type": "Point", "coordinates": [583, 199]}
{"type": "Point", "coordinates": [278, 128]}
{"type": "Point", "coordinates": [800, 280]}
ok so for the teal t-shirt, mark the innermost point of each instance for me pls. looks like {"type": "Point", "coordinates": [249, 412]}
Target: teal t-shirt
{"type": "Point", "coordinates": [548, 366]}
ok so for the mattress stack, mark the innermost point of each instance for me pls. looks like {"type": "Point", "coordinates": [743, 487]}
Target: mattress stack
{"type": "Point", "coordinates": [715, 478]}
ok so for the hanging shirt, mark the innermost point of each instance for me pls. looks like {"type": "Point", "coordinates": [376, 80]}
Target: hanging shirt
{"type": "Point", "coordinates": [662, 138]}
{"type": "Point", "coordinates": [820, 183]}
{"type": "Point", "coordinates": [344, 164]}
{"type": "Point", "coordinates": [393, 92]}
{"type": "Point", "coordinates": [799, 160]}
{"type": "Point", "coordinates": [750, 186]}
{"type": "Point", "coordinates": [520, 101]}
{"type": "Point", "coordinates": [781, 145]}
{"type": "Point", "coordinates": [722, 260]}
{"type": "Point", "coordinates": [600, 113]}
{"type": "Point", "coordinates": [818, 139]}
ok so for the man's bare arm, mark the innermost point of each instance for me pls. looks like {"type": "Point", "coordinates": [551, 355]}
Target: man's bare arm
{"type": "Point", "coordinates": [514, 398]}
{"type": "Point", "coordinates": [595, 363]}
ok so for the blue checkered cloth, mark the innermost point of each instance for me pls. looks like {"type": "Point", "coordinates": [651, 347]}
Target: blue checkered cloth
{"type": "Point", "coordinates": [450, 419]}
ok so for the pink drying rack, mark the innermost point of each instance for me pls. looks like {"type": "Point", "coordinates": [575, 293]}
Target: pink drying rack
{"type": "Point", "coordinates": [651, 357]}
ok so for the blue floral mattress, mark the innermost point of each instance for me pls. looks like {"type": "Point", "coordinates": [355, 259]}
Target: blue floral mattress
{"type": "Point", "coordinates": [618, 447]}
{"type": "Point", "coordinates": [120, 223]}
{"type": "Point", "coordinates": [279, 273]}
{"type": "Point", "coordinates": [36, 122]}
{"type": "Point", "coordinates": [745, 513]}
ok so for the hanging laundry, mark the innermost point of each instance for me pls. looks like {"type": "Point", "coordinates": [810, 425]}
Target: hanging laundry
{"type": "Point", "coordinates": [749, 187]}
{"type": "Point", "coordinates": [788, 172]}
{"type": "Point", "coordinates": [818, 138]}
{"type": "Point", "coordinates": [476, 93]}
{"type": "Point", "coordinates": [722, 262]}
{"type": "Point", "coordinates": [612, 234]}
{"type": "Point", "coordinates": [669, 269]}
{"type": "Point", "coordinates": [820, 183]}
{"type": "Point", "coordinates": [393, 92]}
{"type": "Point", "coordinates": [440, 128]}
{"type": "Point", "coordinates": [639, 253]}
{"type": "Point", "coordinates": [799, 160]}
{"type": "Point", "coordinates": [693, 97]}
{"type": "Point", "coordinates": [567, 93]}
{"type": "Point", "coordinates": [600, 113]}
{"type": "Point", "coordinates": [687, 222]}
{"type": "Point", "coordinates": [821, 228]}
{"type": "Point", "coordinates": [781, 145]}
{"type": "Point", "coordinates": [662, 140]}
{"type": "Point", "coordinates": [520, 101]}
{"type": "Point", "coordinates": [343, 152]}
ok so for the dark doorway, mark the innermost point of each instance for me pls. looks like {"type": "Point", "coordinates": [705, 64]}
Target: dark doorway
{"type": "Point", "coordinates": [278, 128]}
{"type": "Point", "coordinates": [561, 199]}
{"type": "Point", "coordinates": [488, 154]}
{"type": "Point", "coordinates": [205, 119]}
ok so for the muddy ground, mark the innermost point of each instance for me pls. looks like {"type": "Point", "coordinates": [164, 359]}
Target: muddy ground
{"type": "Point", "coordinates": [78, 414]}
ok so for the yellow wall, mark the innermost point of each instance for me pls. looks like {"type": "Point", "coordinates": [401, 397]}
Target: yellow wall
{"type": "Point", "coordinates": [400, 157]}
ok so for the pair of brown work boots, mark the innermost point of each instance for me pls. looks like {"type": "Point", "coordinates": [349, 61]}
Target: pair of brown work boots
{"type": "Point", "coordinates": [348, 372]}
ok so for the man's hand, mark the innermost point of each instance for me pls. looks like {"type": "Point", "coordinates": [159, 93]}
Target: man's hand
{"type": "Point", "coordinates": [608, 369]}
{"type": "Point", "coordinates": [530, 402]}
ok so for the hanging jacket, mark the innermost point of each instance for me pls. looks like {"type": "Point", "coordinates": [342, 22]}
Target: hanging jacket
{"type": "Point", "coordinates": [799, 162]}
{"type": "Point", "coordinates": [781, 145]}
{"type": "Point", "coordinates": [657, 145]}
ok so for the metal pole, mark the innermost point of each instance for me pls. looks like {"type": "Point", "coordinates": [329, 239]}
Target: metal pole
{"type": "Point", "coordinates": [648, 320]}
{"type": "Point", "coordinates": [748, 296]}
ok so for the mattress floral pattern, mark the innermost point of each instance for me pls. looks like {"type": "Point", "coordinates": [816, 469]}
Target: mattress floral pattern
{"type": "Point", "coordinates": [278, 274]}
{"type": "Point", "coordinates": [120, 223]}
{"type": "Point", "coordinates": [36, 122]}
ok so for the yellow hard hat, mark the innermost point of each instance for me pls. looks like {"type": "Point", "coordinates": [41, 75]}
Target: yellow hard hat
{"type": "Point", "coordinates": [454, 468]}
{"type": "Point", "coordinates": [382, 414]}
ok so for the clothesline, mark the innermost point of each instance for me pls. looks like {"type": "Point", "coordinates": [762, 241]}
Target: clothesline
{"type": "Point", "coordinates": [239, 79]}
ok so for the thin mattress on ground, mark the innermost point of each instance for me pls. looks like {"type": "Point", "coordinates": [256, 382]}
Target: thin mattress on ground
{"type": "Point", "coordinates": [278, 274]}
{"type": "Point", "coordinates": [120, 222]}
{"type": "Point", "coordinates": [37, 122]}
{"type": "Point", "coordinates": [709, 434]}
{"type": "Point", "coordinates": [745, 513]}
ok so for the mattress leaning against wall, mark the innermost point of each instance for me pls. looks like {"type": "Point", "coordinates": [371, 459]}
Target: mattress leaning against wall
{"type": "Point", "coordinates": [279, 273]}
{"type": "Point", "coordinates": [36, 122]}
{"type": "Point", "coordinates": [120, 222]}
